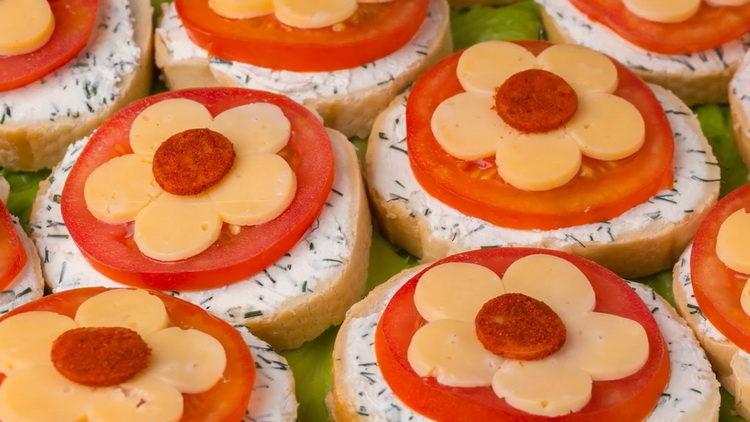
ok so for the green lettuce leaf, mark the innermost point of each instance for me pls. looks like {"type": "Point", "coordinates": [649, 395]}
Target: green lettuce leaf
{"type": "Point", "coordinates": [519, 21]}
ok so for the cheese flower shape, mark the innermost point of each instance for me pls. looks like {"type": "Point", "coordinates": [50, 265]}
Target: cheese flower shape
{"type": "Point", "coordinates": [25, 26]}
{"type": "Point", "coordinates": [597, 346]}
{"type": "Point", "coordinates": [190, 172]}
{"type": "Point", "coordinates": [305, 14]}
{"type": "Point", "coordinates": [732, 249]}
{"type": "Point", "coordinates": [555, 108]}
{"type": "Point", "coordinates": [673, 11]}
{"type": "Point", "coordinates": [180, 362]}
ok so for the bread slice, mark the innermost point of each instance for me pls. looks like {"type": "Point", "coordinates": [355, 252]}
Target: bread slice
{"type": "Point", "coordinates": [41, 143]}
{"type": "Point", "coordinates": [731, 364]}
{"type": "Point", "coordinates": [739, 101]}
{"type": "Point", "coordinates": [352, 401]}
{"type": "Point", "coordinates": [696, 78]}
{"type": "Point", "coordinates": [350, 111]}
{"type": "Point", "coordinates": [282, 305]}
{"type": "Point", "coordinates": [643, 241]}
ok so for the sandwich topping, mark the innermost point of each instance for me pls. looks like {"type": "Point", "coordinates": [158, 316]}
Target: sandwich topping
{"type": "Point", "coordinates": [315, 36]}
{"type": "Point", "coordinates": [294, 13]}
{"type": "Point", "coordinates": [516, 333]}
{"type": "Point", "coordinates": [479, 336]}
{"type": "Point", "coordinates": [537, 115]}
{"type": "Point", "coordinates": [119, 357]}
{"type": "Point", "coordinates": [671, 27]}
{"type": "Point", "coordinates": [178, 164]}
{"type": "Point", "coordinates": [531, 135]}
{"type": "Point", "coordinates": [733, 250]}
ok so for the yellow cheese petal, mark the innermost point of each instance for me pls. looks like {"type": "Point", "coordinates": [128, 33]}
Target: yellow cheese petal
{"type": "Point", "coordinates": [135, 309]}
{"type": "Point", "coordinates": [254, 128]}
{"type": "Point", "coordinates": [732, 246]}
{"type": "Point", "coordinates": [727, 2]}
{"type": "Point", "coordinates": [606, 346]}
{"type": "Point", "coordinates": [25, 26]}
{"type": "Point", "coordinates": [173, 227]}
{"type": "Point", "coordinates": [258, 189]}
{"type": "Point", "coordinates": [314, 14]}
{"type": "Point", "coordinates": [467, 127]}
{"type": "Point", "coordinates": [538, 162]}
{"type": "Point", "coordinates": [666, 11]}
{"type": "Point", "coordinates": [586, 70]}
{"type": "Point", "coordinates": [160, 121]}
{"type": "Point", "coordinates": [142, 399]}
{"type": "Point", "coordinates": [241, 9]}
{"type": "Point", "coordinates": [451, 352]}
{"type": "Point", "coordinates": [26, 339]}
{"type": "Point", "coordinates": [41, 394]}
{"type": "Point", "coordinates": [456, 290]}
{"type": "Point", "coordinates": [484, 67]}
{"type": "Point", "coordinates": [607, 127]}
{"type": "Point", "coordinates": [117, 190]}
{"type": "Point", "coordinates": [543, 387]}
{"type": "Point", "coordinates": [554, 281]}
{"type": "Point", "coordinates": [189, 360]}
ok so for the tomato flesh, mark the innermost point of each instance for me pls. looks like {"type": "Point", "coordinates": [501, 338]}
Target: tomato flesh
{"type": "Point", "coordinates": [12, 253]}
{"type": "Point", "coordinates": [110, 247]}
{"type": "Point", "coordinates": [74, 22]}
{"type": "Point", "coordinates": [228, 399]}
{"type": "Point", "coordinates": [710, 28]}
{"type": "Point", "coordinates": [373, 32]}
{"type": "Point", "coordinates": [606, 190]}
{"type": "Point", "coordinates": [718, 288]}
{"type": "Point", "coordinates": [627, 399]}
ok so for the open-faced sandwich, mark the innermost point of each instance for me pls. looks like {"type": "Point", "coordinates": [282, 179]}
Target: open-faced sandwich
{"type": "Point", "coordinates": [739, 100]}
{"type": "Point", "coordinates": [691, 47]}
{"type": "Point", "coordinates": [21, 278]}
{"type": "Point", "coordinates": [65, 66]}
{"type": "Point", "coordinates": [239, 201]}
{"type": "Point", "coordinates": [124, 355]}
{"type": "Point", "coordinates": [532, 144]}
{"type": "Point", "coordinates": [712, 292]}
{"type": "Point", "coordinates": [518, 334]}
{"type": "Point", "coordinates": [345, 58]}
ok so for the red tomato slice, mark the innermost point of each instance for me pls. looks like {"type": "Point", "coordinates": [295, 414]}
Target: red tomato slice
{"type": "Point", "coordinates": [111, 249]}
{"type": "Point", "coordinates": [608, 189]}
{"type": "Point", "coordinates": [229, 398]}
{"type": "Point", "coordinates": [74, 22]}
{"type": "Point", "coordinates": [711, 27]}
{"type": "Point", "coordinates": [718, 288]}
{"type": "Point", "coordinates": [373, 32]}
{"type": "Point", "coordinates": [12, 253]}
{"type": "Point", "coordinates": [625, 400]}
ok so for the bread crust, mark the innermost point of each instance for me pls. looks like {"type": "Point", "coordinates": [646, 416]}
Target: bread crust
{"type": "Point", "coordinates": [730, 370]}
{"type": "Point", "coordinates": [351, 114]}
{"type": "Point", "coordinates": [741, 127]}
{"type": "Point", "coordinates": [34, 145]}
{"type": "Point", "coordinates": [712, 88]}
{"type": "Point", "coordinates": [637, 255]}
{"type": "Point", "coordinates": [306, 317]}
